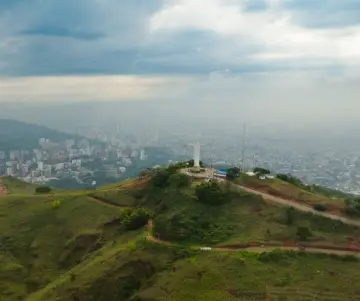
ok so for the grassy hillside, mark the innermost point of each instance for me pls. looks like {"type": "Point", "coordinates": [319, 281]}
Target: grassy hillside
{"type": "Point", "coordinates": [14, 185]}
{"type": "Point", "coordinates": [333, 200]}
{"type": "Point", "coordinates": [143, 271]}
{"type": "Point", "coordinates": [38, 241]}
{"type": "Point", "coordinates": [90, 246]}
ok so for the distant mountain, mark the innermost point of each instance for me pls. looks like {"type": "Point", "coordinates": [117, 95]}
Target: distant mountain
{"type": "Point", "coordinates": [15, 135]}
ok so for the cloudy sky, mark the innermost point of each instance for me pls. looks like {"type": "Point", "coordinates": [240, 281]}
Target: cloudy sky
{"type": "Point", "coordinates": [52, 50]}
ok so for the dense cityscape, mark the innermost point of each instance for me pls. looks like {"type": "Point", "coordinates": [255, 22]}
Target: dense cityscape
{"type": "Point", "coordinates": [94, 161]}
{"type": "Point", "coordinates": [81, 163]}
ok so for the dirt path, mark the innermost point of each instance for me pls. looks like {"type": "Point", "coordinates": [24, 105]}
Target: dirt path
{"type": "Point", "coordinates": [3, 190]}
{"type": "Point", "coordinates": [264, 248]}
{"type": "Point", "coordinates": [105, 203]}
{"type": "Point", "coordinates": [302, 207]}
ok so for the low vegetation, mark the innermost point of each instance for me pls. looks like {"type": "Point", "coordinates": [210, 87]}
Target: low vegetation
{"type": "Point", "coordinates": [43, 189]}
{"type": "Point", "coordinates": [291, 188]}
{"type": "Point", "coordinates": [93, 246]}
{"type": "Point", "coordinates": [14, 185]}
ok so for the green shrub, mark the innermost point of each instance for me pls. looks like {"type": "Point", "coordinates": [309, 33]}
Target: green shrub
{"type": "Point", "coordinates": [190, 227]}
{"type": "Point", "coordinates": [291, 179]}
{"type": "Point", "coordinates": [56, 204]}
{"type": "Point", "coordinates": [303, 233]}
{"type": "Point", "coordinates": [133, 219]}
{"type": "Point", "coordinates": [211, 194]}
{"type": "Point", "coordinates": [43, 189]}
{"type": "Point", "coordinates": [261, 171]}
{"type": "Point", "coordinates": [320, 207]}
{"type": "Point", "coordinates": [352, 206]}
{"type": "Point", "coordinates": [160, 179]}
{"type": "Point", "coordinates": [179, 180]}
{"type": "Point", "coordinates": [232, 173]}
{"type": "Point", "coordinates": [290, 216]}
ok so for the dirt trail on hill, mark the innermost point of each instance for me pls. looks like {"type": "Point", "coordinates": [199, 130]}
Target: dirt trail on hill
{"type": "Point", "coordinates": [105, 202]}
{"type": "Point", "coordinates": [3, 190]}
{"type": "Point", "coordinates": [265, 248]}
{"type": "Point", "coordinates": [302, 207]}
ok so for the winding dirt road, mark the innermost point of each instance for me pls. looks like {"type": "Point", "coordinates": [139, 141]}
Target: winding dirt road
{"type": "Point", "coordinates": [302, 207]}
{"type": "Point", "coordinates": [264, 248]}
{"type": "Point", "coordinates": [268, 248]}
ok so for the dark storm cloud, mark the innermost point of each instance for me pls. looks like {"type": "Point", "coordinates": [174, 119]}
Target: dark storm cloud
{"type": "Point", "coordinates": [59, 37]}
{"type": "Point", "coordinates": [82, 36]}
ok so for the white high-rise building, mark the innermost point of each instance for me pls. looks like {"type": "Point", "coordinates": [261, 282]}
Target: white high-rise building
{"type": "Point", "coordinates": [142, 155]}
{"type": "Point", "coordinates": [40, 165]}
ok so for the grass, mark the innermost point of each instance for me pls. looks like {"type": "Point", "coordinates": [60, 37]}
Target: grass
{"type": "Point", "coordinates": [116, 197]}
{"type": "Point", "coordinates": [34, 237]}
{"type": "Point", "coordinates": [245, 276]}
{"type": "Point", "coordinates": [78, 251]}
{"type": "Point", "coordinates": [244, 218]}
{"type": "Point", "coordinates": [289, 191]}
{"type": "Point", "coordinates": [14, 185]}
{"type": "Point", "coordinates": [168, 273]}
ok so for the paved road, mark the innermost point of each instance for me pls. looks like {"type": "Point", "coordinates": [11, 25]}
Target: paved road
{"type": "Point", "coordinates": [302, 207]}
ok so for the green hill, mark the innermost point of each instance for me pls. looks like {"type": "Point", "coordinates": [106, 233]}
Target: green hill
{"type": "Point", "coordinates": [14, 185]}
{"type": "Point", "coordinates": [16, 135]}
{"type": "Point", "coordinates": [311, 195]}
{"type": "Point", "coordinates": [92, 245]}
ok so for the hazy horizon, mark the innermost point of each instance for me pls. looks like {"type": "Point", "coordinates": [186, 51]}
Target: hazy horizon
{"type": "Point", "coordinates": [295, 63]}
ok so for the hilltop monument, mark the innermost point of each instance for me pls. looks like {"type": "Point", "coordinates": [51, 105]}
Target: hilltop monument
{"type": "Point", "coordinates": [197, 155]}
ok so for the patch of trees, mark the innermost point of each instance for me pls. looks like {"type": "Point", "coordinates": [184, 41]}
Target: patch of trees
{"type": "Point", "coordinates": [133, 219]}
{"type": "Point", "coordinates": [43, 189]}
{"type": "Point", "coordinates": [320, 207]}
{"type": "Point", "coordinates": [211, 193]}
{"type": "Point", "coordinates": [352, 206]}
{"type": "Point", "coordinates": [160, 179]}
{"type": "Point", "coordinates": [303, 233]}
{"type": "Point", "coordinates": [189, 226]}
{"type": "Point", "coordinates": [179, 180]}
{"type": "Point", "coordinates": [232, 173]}
{"type": "Point", "coordinates": [291, 179]}
{"type": "Point", "coordinates": [164, 178]}
{"type": "Point", "coordinates": [261, 171]}
{"type": "Point", "coordinates": [179, 165]}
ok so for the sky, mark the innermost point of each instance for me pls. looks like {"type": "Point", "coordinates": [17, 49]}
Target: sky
{"type": "Point", "coordinates": [274, 54]}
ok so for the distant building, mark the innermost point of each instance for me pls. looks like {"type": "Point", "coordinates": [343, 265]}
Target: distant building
{"type": "Point", "coordinates": [59, 166]}
{"type": "Point", "coordinates": [2, 155]}
{"type": "Point", "coordinates": [251, 174]}
{"type": "Point", "coordinates": [142, 155]}
{"type": "Point", "coordinates": [134, 153]}
{"type": "Point", "coordinates": [40, 165]}
{"type": "Point", "coordinates": [270, 177]}
{"type": "Point", "coordinates": [47, 171]}
{"type": "Point", "coordinates": [9, 171]}
{"type": "Point", "coordinates": [14, 155]}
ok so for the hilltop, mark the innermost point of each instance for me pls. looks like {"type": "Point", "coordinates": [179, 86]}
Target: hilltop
{"type": "Point", "coordinates": [93, 245]}
{"type": "Point", "coordinates": [16, 135]}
